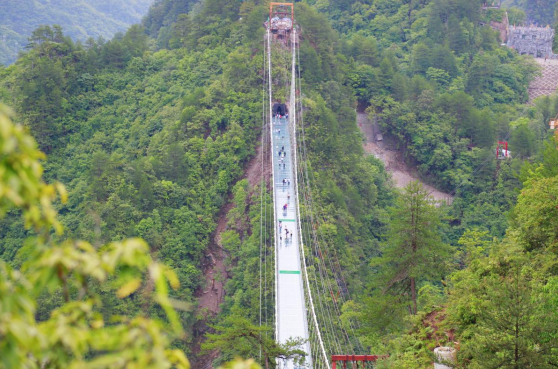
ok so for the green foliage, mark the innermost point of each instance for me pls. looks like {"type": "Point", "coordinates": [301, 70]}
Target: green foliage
{"type": "Point", "coordinates": [22, 185]}
{"type": "Point", "coordinates": [152, 143]}
{"type": "Point", "coordinates": [242, 338]}
{"type": "Point", "coordinates": [240, 364]}
{"type": "Point", "coordinates": [503, 307]}
{"type": "Point", "coordinates": [81, 19]}
{"type": "Point", "coordinates": [413, 252]}
{"type": "Point", "coordinates": [539, 11]}
{"type": "Point", "coordinates": [75, 335]}
{"type": "Point", "coordinates": [516, 16]}
{"type": "Point", "coordinates": [162, 14]}
{"type": "Point", "coordinates": [119, 129]}
{"type": "Point", "coordinates": [536, 215]}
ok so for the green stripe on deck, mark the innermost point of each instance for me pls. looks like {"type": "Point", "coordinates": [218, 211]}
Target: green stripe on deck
{"type": "Point", "coordinates": [289, 272]}
{"type": "Point", "coordinates": [287, 220]}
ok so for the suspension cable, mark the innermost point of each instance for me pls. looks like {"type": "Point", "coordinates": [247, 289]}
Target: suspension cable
{"type": "Point", "coordinates": [293, 124]}
{"type": "Point", "coordinates": [326, 313]}
{"type": "Point", "coordinates": [261, 193]}
{"type": "Point", "coordinates": [317, 234]}
{"type": "Point", "coordinates": [270, 76]}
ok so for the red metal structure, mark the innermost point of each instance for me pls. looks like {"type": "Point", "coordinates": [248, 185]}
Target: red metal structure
{"type": "Point", "coordinates": [281, 20]}
{"type": "Point", "coordinates": [353, 360]}
{"type": "Point", "coordinates": [502, 150]}
{"type": "Point", "coordinates": [280, 9]}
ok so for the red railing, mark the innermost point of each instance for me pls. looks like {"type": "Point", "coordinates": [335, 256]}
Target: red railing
{"type": "Point", "coordinates": [353, 359]}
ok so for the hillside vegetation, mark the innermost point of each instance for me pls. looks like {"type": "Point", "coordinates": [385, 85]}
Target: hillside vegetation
{"type": "Point", "coordinates": [151, 131]}
{"type": "Point", "coordinates": [80, 19]}
{"type": "Point", "coordinates": [541, 12]}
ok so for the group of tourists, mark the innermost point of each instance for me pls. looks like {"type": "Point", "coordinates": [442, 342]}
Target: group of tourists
{"type": "Point", "coordinates": [288, 234]}
{"type": "Point", "coordinates": [280, 110]}
{"type": "Point", "coordinates": [282, 153]}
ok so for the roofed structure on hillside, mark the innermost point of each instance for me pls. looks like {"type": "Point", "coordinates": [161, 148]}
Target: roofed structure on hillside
{"type": "Point", "coordinates": [281, 21]}
{"type": "Point", "coordinates": [492, 5]}
{"type": "Point", "coordinates": [535, 41]}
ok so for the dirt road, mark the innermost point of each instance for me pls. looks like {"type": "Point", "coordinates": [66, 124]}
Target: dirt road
{"type": "Point", "coordinates": [393, 160]}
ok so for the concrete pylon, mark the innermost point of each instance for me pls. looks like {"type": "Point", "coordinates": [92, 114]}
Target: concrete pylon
{"type": "Point", "coordinates": [444, 356]}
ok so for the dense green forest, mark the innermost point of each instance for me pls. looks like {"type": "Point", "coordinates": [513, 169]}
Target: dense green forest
{"type": "Point", "coordinates": [80, 19]}
{"type": "Point", "coordinates": [538, 11]}
{"type": "Point", "coordinates": [151, 131]}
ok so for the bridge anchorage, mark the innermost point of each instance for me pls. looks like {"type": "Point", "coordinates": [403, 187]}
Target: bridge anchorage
{"type": "Point", "coordinates": [309, 286]}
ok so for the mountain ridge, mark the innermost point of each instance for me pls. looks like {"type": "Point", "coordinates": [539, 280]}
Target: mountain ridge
{"type": "Point", "coordinates": [80, 20]}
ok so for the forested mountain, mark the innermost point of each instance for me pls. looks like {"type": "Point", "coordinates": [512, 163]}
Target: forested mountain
{"type": "Point", "coordinates": [80, 19]}
{"type": "Point", "coordinates": [151, 132]}
{"type": "Point", "coordinates": [541, 12]}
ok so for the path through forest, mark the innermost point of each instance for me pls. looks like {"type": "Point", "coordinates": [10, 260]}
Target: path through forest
{"type": "Point", "coordinates": [401, 173]}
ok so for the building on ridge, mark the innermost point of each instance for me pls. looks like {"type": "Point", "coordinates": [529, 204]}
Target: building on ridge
{"type": "Point", "coordinates": [535, 41]}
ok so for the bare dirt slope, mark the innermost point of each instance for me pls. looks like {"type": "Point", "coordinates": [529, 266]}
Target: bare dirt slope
{"type": "Point", "coordinates": [393, 159]}
{"type": "Point", "coordinates": [212, 295]}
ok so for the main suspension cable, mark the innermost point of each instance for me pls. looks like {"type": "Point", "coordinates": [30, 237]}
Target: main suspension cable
{"type": "Point", "coordinates": [293, 125]}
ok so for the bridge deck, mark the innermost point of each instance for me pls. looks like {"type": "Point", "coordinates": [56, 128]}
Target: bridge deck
{"type": "Point", "coordinates": [291, 309]}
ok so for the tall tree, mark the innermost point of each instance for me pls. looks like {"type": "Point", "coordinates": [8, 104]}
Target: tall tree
{"type": "Point", "coordinates": [238, 336]}
{"type": "Point", "coordinates": [420, 58]}
{"type": "Point", "coordinates": [504, 307]}
{"type": "Point", "coordinates": [517, 323]}
{"type": "Point", "coordinates": [413, 252]}
{"type": "Point", "coordinates": [365, 49]}
{"type": "Point", "coordinates": [456, 36]}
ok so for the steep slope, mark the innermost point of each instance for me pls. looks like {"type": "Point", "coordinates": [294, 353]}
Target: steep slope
{"type": "Point", "coordinates": [400, 172]}
{"type": "Point", "coordinates": [547, 83]}
{"type": "Point", "coordinates": [80, 19]}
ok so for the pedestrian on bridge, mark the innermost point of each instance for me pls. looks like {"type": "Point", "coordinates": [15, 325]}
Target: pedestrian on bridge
{"type": "Point", "coordinates": [288, 197]}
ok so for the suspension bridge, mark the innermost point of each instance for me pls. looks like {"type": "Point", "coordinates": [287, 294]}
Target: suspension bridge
{"type": "Point", "coordinates": [308, 286]}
